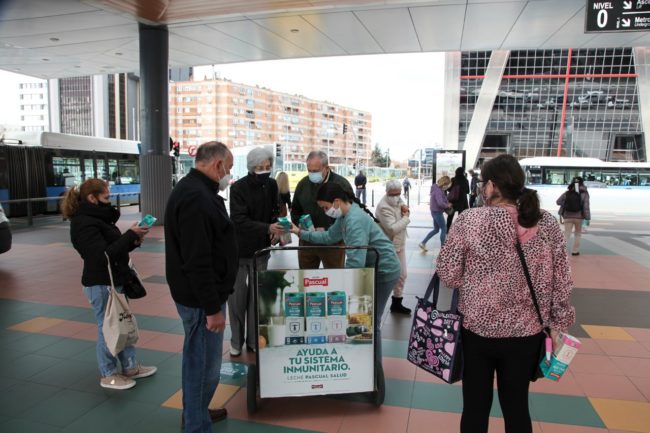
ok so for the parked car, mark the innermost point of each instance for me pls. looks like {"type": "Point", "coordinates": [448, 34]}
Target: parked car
{"type": "Point", "coordinates": [5, 232]}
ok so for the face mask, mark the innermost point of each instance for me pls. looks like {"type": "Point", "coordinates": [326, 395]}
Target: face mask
{"type": "Point", "coordinates": [262, 175]}
{"type": "Point", "coordinates": [393, 200]}
{"type": "Point", "coordinates": [334, 212]}
{"type": "Point", "coordinates": [316, 177]}
{"type": "Point", "coordinates": [224, 181]}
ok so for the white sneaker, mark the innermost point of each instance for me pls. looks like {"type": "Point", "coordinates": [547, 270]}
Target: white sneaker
{"type": "Point", "coordinates": [235, 352]}
{"type": "Point", "coordinates": [116, 381]}
{"type": "Point", "coordinates": [422, 247]}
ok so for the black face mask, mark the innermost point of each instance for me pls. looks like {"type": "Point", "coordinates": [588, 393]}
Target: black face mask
{"type": "Point", "coordinates": [263, 177]}
{"type": "Point", "coordinates": [110, 209]}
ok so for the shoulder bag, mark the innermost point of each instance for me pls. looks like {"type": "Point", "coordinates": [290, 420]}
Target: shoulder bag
{"type": "Point", "coordinates": [537, 373]}
{"type": "Point", "coordinates": [120, 328]}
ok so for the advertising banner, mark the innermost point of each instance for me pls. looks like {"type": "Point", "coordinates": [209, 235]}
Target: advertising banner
{"type": "Point", "coordinates": [315, 331]}
{"type": "Point", "coordinates": [447, 162]}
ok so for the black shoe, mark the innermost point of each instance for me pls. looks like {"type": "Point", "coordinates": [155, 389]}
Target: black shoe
{"type": "Point", "coordinates": [575, 254]}
{"type": "Point", "coordinates": [216, 415]}
{"type": "Point", "coordinates": [397, 307]}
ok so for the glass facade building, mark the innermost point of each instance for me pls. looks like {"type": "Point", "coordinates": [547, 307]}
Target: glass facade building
{"type": "Point", "coordinates": [564, 102]}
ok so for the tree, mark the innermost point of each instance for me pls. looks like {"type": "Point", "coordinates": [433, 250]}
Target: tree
{"type": "Point", "coordinates": [379, 158]}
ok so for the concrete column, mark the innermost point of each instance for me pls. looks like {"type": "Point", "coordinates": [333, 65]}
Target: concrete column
{"type": "Point", "coordinates": [155, 162]}
{"type": "Point", "coordinates": [642, 65]}
{"type": "Point", "coordinates": [452, 101]}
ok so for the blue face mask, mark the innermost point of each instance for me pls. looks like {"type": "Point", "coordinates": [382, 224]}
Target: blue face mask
{"type": "Point", "coordinates": [316, 177]}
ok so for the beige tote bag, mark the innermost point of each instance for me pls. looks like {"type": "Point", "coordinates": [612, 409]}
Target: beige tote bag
{"type": "Point", "coordinates": [120, 327]}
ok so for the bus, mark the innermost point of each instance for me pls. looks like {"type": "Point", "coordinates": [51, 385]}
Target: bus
{"type": "Point", "coordinates": [596, 173]}
{"type": "Point", "coordinates": [46, 164]}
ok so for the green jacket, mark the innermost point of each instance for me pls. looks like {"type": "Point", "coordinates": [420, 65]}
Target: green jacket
{"type": "Point", "coordinates": [358, 229]}
{"type": "Point", "coordinates": [304, 200]}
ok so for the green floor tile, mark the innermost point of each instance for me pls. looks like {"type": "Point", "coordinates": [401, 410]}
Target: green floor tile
{"type": "Point", "coordinates": [236, 426]}
{"type": "Point", "coordinates": [172, 365]}
{"type": "Point", "coordinates": [88, 355]}
{"type": "Point", "coordinates": [151, 357]}
{"type": "Point", "coordinates": [159, 324]}
{"type": "Point", "coordinates": [563, 409]}
{"type": "Point", "coordinates": [27, 426]}
{"type": "Point", "coordinates": [78, 314]}
{"type": "Point", "coordinates": [234, 373]}
{"type": "Point", "coordinates": [22, 396]}
{"type": "Point", "coordinates": [65, 373]}
{"type": "Point", "coordinates": [398, 393]}
{"type": "Point", "coordinates": [66, 348]}
{"type": "Point", "coordinates": [589, 247]}
{"type": "Point", "coordinates": [31, 342]}
{"type": "Point", "coordinates": [90, 384]}
{"type": "Point", "coordinates": [437, 397]}
{"type": "Point", "coordinates": [13, 318]}
{"type": "Point", "coordinates": [394, 348]}
{"type": "Point", "coordinates": [26, 366]}
{"type": "Point", "coordinates": [162, 420]}
{"type": "Point", "coordinates": [113, 415]}
{"type": "Point", "coordinates": [63, 407]}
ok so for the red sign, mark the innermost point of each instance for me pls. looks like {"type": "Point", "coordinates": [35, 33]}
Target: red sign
{"type": "Point", "coordinates": [315, 282]}
{"type": "Point", "coordinates": [191, 151]}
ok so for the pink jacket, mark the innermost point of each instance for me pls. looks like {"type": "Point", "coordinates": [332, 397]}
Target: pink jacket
{"type": "Point", "coordinates": [479, 257]}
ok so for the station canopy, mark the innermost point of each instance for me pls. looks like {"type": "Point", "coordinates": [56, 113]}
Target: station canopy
{"type": "Point", "coordinates": [62, 38]}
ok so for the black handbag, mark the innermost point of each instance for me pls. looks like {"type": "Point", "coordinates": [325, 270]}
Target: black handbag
{"type": "Point", "coordinates": [133, 287]}
{"type": "Point", "coordinates": [537, 373]}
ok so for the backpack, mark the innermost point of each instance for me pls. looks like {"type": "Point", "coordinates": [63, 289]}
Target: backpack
{"type": "Point", "coordinates": [454, 193]}
{"type": "Point", "coordinates": [572, 202]}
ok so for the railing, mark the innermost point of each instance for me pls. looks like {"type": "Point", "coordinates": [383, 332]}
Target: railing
{"type": "Point", "coordinates": [29, 201]}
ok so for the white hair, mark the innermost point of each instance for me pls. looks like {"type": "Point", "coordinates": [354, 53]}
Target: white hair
{"type": "Point", "coordinates": [318, 154]}
{"type": "Point", "coordinates": [257, 156]}
{"type": "Point", "coordinates": [393, 184]}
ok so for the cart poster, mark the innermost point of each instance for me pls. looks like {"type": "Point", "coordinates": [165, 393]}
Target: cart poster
{"type": "Point", "coordinates": [315, 332]}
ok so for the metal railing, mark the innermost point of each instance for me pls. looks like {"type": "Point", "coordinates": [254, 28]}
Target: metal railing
{"type": "Point", "coordinates": [29, 201]}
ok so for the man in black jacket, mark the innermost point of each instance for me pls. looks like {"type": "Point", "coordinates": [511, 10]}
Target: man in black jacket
{"type": "Point", "coordinates": [201, 266]}
{"type": "Point", "coordinates": [304, 202]}
{"type": "Point", "coordinates": [360, 183]}
{"type": "Point", "coordinates": [254, 210]}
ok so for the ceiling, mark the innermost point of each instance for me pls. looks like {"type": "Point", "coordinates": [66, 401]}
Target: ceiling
{"type": "Point", "coordinates": [60, 38]}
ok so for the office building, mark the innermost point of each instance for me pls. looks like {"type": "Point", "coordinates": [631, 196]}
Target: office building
{"type": "Point", "coordinates": [33, 107]}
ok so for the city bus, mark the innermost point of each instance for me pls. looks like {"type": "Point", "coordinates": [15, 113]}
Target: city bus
{"type": "Point", "coordinates": [597, 173]}
{"type": "Point", "coordinates": [35, 165]}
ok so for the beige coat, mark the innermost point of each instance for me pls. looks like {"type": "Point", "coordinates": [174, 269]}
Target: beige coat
{"type": "Point", "coordinates": [392, 222]}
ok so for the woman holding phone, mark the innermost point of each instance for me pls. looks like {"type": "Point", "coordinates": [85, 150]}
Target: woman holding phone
{"type": "Point", "coordinates": [94, 234]}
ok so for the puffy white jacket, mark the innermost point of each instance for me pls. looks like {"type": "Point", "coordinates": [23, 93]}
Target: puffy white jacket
{"type": "Point", "coordinates": [392, 222]}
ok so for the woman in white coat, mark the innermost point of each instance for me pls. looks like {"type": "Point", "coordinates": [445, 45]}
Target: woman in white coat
{"type": "Point", "coordinates": [393, 216]}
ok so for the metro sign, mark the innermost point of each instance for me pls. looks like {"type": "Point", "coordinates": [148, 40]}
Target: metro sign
{"type": "Point", "coordinates": [617, 16]}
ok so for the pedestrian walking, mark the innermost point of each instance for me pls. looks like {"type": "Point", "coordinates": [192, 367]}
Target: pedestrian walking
{"type": "Point", "coordinates": [438, 204]}
{"type": "Point", "coordinates": [574, 210]}
{"type": "Point", "coordinates": [360, 185]}
{"type": "Point", "coordinates": [457, 195]}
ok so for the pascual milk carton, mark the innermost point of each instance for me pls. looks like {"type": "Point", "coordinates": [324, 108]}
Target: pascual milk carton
{"type": "Point", "coordinates": [337, 318]}
{"type": "Point", "coordinates": [294, 317]}
{"type": "Point", "coordinates": [561, 357]}
{"type": "Point", "coordinates": [315, 309]}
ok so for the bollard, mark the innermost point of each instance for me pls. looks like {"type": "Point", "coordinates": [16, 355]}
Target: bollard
{"type": "Point", "coordinates": [139, 202]}
{"type": "Point", "coordinates": [373, 198]}
{"type": "Point", "coordinates": [119, 204]}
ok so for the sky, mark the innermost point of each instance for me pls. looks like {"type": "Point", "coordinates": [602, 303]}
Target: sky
{"type": "Point", "coordinates": [404, 92]}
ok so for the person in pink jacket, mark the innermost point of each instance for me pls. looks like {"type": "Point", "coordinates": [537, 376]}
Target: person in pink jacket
{"type": "Point", "coordinates": [501, 331]}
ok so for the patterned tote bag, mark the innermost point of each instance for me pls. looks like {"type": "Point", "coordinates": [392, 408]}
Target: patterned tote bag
{"type": "Point", "coordinates": [434, 343]}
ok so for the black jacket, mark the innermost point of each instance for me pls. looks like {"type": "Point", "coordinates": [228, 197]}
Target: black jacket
{"type": "Point", "coordinates": [461, 204]}
{"type": "Point", "coordinates": [93, 232]}
{"type": "Point", "coordinates": [360, 181]}
{"type": "Point", "coordinates": [304, 200]}
{"type": "Point", "coordinates": [253, 207]}
{"type": "Point", "coordinates": [200, 246]}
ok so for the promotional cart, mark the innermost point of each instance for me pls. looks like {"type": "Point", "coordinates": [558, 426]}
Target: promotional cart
{"type": "Point", "coordinates": [315, 332]}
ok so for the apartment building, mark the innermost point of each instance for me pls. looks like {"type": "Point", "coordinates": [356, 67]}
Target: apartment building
{"type": "Point", "coordinates": [33, 107]}
{"type": "Point", "coordinates": [242, 115]}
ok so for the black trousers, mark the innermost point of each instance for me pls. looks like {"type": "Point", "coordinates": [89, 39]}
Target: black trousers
{"type": "Point", "coordinates": [514, 360]}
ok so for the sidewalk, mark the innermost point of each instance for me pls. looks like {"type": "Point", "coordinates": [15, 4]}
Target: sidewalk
{"type": "Point", "coordinates": [49, 378]}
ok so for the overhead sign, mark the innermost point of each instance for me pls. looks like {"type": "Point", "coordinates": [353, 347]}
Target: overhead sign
{"type": "Point", "coordinates": [617, 16]}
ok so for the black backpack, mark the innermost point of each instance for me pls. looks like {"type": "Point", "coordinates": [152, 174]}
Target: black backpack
{"type": "Point", "coordinates": [572, 202]}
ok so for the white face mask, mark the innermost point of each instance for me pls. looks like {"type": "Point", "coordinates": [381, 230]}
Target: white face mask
{"type": "Point", "coordinates": [224, 181]}
{"type": "Point", "coordinates": [316, 177]}
{"type": "Point", "coordinates": [334, 212]}
{"type": "Point", "coordinates": [393, 200]}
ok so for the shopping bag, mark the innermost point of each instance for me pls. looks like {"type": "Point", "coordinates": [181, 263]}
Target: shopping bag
{"type": "Point", "coordinates": [120, 328]}
{"type": "Point", "coordinates": [435, 339]}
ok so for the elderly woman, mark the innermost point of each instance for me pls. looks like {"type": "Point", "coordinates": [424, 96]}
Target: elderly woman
{"type": "Point", "coordinates": [254, 211]}
{"type": "Point", "coordinates": [393, 216]}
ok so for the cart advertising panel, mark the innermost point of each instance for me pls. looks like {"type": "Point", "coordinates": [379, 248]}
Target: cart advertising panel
{"type": "Point", "coordinates": [315, 331]}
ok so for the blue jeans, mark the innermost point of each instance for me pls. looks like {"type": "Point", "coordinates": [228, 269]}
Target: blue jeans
{"type": "Point", "coordinates": [361, 195]}
{"type": "Point", "coordinates": [382, 292]}
{"type": "Point", "coordinates": [439, 225]}
{"type": "Point", "coordinates": [98, 297]}
{"type": "Point", "coordinates": [202, 351]}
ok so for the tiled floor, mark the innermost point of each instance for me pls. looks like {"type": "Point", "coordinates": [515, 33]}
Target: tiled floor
{"type": "Point", "coordinates": [49, 379]}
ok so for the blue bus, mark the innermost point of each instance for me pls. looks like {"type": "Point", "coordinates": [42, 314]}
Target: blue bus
{"type": "Point", "coordinates": [46, 164]}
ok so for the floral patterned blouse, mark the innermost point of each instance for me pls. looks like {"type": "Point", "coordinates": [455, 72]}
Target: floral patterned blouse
{"type": "Point", "coordinates": [480, 258]}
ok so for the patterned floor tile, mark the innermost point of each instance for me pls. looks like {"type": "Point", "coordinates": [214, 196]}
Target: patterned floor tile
{"type": "Point", "coordinates": [623, 415]}
{"type": "Point", "coordinates": [607, 333]}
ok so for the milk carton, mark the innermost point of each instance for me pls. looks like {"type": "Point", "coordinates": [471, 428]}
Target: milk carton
{"type": "Point", "coordinates": [561, 357]}
{"type": "Point", "coordinates": [337, 318]}
{"type": "Point", "coordinates": [306, 223]}
{"type": "Point", "coordinates": [294, 312]}
{"type": "Point", "coordinates": [285, 238]}
{"type": "Point", "coordinates": [315, 313]}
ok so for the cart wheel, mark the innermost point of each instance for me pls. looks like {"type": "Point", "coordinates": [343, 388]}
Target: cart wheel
{"type": "Point", "coordinates": [251, 390]}
{"type": "Point", "coordinates": [379, 394]}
